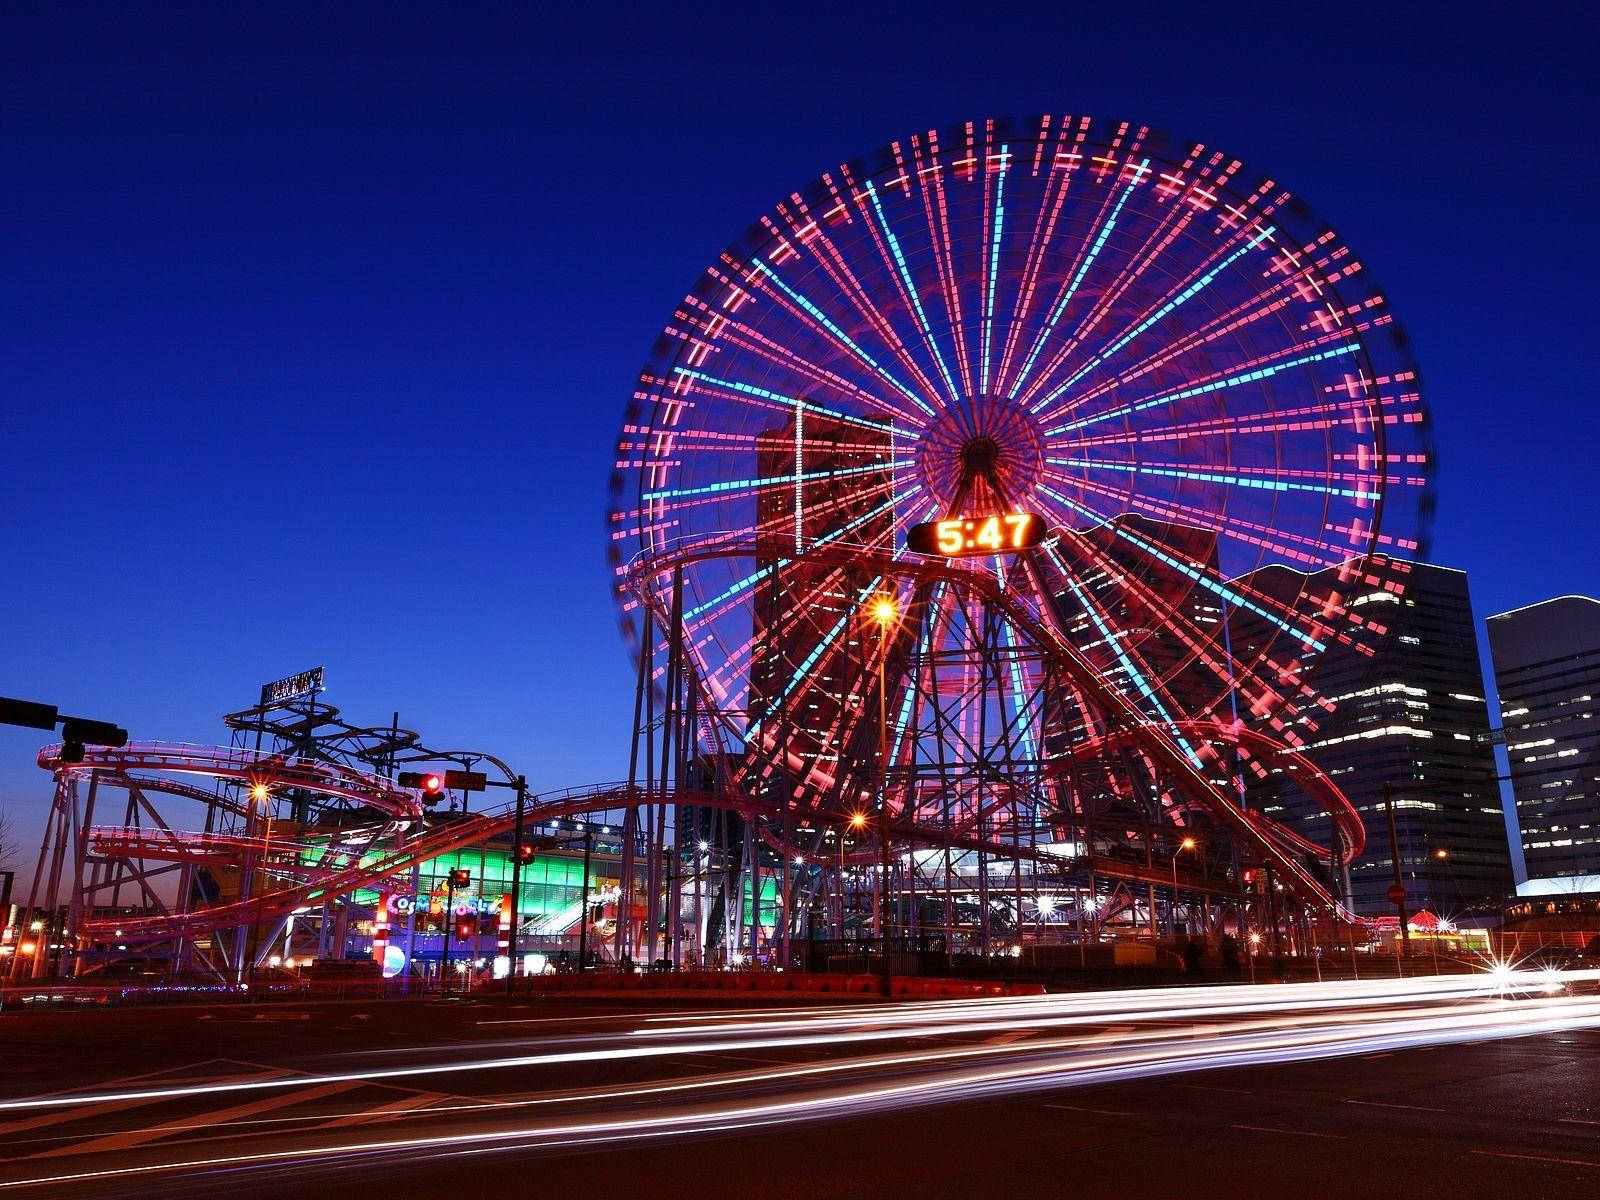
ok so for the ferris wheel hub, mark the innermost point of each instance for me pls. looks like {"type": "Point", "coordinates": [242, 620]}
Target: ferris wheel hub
{"type": "Point", "coordinates": [987, 437]}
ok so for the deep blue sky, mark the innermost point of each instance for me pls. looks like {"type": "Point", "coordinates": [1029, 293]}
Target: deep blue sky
{"type": "Point", "coordinates": [315, 330]}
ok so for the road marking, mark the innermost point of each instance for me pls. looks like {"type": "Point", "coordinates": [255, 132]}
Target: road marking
{"type": "Point", "coordinates": [1207, 1087]}
{"type": "Point", "coordinates": [1380, 1054]}
{"type": "Point", "coordinates": [1386, 1104]}
{"type": "Point", "coordinates": [393, 1108]}
{"type": "Point", "coordinates": [59, 1115]}
{"type": "Point", "coordinates": [1566, 1162]}
{"type": "Point", "coordinates": [1105, 1112]}
{"type": "Point", "coordinates": [137, 1137]}
{"type": "Point", "coordinates": [1338, 1137]}
{"type": "Point", "coordinates": [751, 1058]}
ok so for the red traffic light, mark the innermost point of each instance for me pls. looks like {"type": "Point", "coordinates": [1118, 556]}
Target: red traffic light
{"type": "Point", "coordinates": [466, 927]}
{"type": "Point", "coordinates": [430, 783]}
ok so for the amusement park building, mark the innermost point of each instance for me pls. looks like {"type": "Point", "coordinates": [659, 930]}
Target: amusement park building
{"type": "Point", "coordinates": [1547, 670]}
{"type": "Point", "coordinates": [1411, 715]}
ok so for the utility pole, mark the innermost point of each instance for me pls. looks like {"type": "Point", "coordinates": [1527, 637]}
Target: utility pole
{"type": "Point", "coordinates": [1397, 890]}
{"type": "Point", "coordinates": [516, 885]}
{"type": "Point", "coordinates": [583, 921]}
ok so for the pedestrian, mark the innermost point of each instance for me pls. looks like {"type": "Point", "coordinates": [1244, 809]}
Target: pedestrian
{"type": "Point", "coordinates": [1228, 948]}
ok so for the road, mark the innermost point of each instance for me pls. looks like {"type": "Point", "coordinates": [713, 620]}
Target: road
{"type": "Point", "coordinates": [1454, 1086]}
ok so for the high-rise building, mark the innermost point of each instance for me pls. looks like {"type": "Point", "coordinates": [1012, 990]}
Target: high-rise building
{"type": "Point", "coordinates": [1547, 670]}
{"type": "Point", "coordinates": [809, 678]}
{"type": "Point", "coordinates": [1411, 715]}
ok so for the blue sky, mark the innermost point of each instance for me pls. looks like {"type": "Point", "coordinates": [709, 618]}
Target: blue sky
{"type": "Point", "coordinates": [317, 325]}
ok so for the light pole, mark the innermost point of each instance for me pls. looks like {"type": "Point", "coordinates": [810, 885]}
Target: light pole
{"type": "Point", "coordinates": [858, 822]}
{"type": "Point", "coordinates": [885, 612]}
{"type": "Point", "coordinates": [1188, 843]}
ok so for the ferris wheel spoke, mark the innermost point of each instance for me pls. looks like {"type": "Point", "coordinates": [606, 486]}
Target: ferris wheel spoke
{"type": "Point", "coordinates": [995, 218]}
{"type": "Point", "coordinates": [1308, 553]}
{"type": "Point", "coordinates": [1057, 185]}
{"type": "Point", "coordinates": [1254, 375]}
{"type": "Point", "coordinates": [1089, 250]}
{"type": "Point", "coordinates": [895, 260]}
{"type": "Point", "coordinates": [778, 401]}
{"type": "Point", "coordinates": [1153, 317]}
{"type": "Point", "coordinates": [937, 212]}
{"type": "Point", "coordinates": [847, 282]}
{"type": "Point", "coordinates": [1305, 418]}
{"type": "Point", "coordinates": [1159, 240]}
{"type": "Point", "coordinates": [820, 322]}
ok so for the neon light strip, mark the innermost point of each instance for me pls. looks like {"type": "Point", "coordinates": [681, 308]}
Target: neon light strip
{"type": "Point", "coordinates": [751, 580]}
{"type": "Point", "coordinates": [817, 651]}
{"type": "Point", "coordinates": [1104, 232]}
{"type": "Point", "coordinates": [992, 273]}
{"type": "Point", "coordinates": [1114, 641]}
{"type": "Point", "coordinates": [1200, 577]}
{"type": "Point", "coordinates": [777, 398]}
{"type": "Point", "coordinates": [1201, 389]}
{"type": "Point", "coordinates": [911, 290]}
{"type": "Point", "coordinates": [736, 485]}
{"type": "Point", "coordinates": [1188, 293]}
{"type": "Point", "coordinates": [844, 338]}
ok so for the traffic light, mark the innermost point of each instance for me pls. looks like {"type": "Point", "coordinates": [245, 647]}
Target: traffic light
{"type": "Point", "coordinates": [466, 928]}
{"type": "Point", "coordinates": [460, 877]}
{"type": "Point", "coordinates": [429, 783]}
{"type": "Point", "coordinates": [525, 853]}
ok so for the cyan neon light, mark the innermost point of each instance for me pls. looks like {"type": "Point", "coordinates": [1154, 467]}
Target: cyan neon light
{"type": "Point", "coordinates": [778, 398]}
{"type": "Point", "coordinates": [844, 338]}
{"type": "Point", "coordinates": [923, 639]}
{"type": "Point", "coordinates": [1083, 269]}
{"type": "Point", "coordinates": [1200, 577]}
{"type": "Point", "coordinates": [911, 289]}
{"type": "Point", "coordinates": [1114, 641]}
{"type": "Point", "coordinates": [816, 654]}
{"type": "Point", "coordinates": [756, 577]}
{"type": "Point", "coordinates": [994, 265]}
{"type": "Point", "coordinates": [1018, 695]}
{"type": "Point", "coordinates": [1249, 481]}
{"type": "Point", "coordinates": [1201, 389]}
{"type": "Point", "coordinates": [739, 485]}
{"type": "Point", "coordinates": [1188, 293]}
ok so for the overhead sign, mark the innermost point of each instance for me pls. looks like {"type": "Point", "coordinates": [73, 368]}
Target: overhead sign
{"type": "Point", "coordinates": [307, 683]}
{"type": "Point", "coordinates": [995, 533]}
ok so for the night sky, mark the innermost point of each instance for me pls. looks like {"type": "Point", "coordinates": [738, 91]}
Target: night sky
{"type": "Point", "coordinates": [315, 331]}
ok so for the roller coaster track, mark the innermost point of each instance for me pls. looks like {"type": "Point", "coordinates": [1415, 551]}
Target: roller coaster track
{"type": "Point", "coordinates": [243, 766]}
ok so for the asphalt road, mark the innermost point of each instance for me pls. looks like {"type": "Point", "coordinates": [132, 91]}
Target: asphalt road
{"type": "Point", "coordinates": [1130, 1095]}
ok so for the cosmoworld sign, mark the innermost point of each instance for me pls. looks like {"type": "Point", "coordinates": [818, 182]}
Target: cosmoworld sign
{"type": "Point", "coordinates": [307, 683]}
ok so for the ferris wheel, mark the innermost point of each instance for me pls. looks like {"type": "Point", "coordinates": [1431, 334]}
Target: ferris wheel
{"type": "Point", "coordinates": [1061, 381]}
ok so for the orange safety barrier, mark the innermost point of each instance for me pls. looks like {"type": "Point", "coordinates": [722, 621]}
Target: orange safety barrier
{"type": "Point", "coordinates": [779, 981]}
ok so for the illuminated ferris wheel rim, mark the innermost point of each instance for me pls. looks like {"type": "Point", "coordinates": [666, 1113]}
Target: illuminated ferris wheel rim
{"type": "Point", "coordinates": [674, 508]}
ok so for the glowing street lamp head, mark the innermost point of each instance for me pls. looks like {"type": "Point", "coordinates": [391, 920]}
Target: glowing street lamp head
{"type": "Point", "coordinates": [1046, 905]}
{"type": "Point", "coordinates": [884, 609]}
{"type": "Point", "coordinates": [858, 820]}
{"type": "Point", "coordinates": [1441, 852]}
{"type": "Point", "coordinates": [258, 791]}
{"type": "Point", "coordinates": [1188, 843]}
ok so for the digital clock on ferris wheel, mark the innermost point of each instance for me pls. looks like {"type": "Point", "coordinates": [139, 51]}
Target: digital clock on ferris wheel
{"type": "Point", "coordinates": [996, 533]}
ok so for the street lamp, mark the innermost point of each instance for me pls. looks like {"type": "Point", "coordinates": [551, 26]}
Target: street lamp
{"type": "Point", "coordinates": [885, 612]}
{"type": "Point", "coordinates": [1188, 843]}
